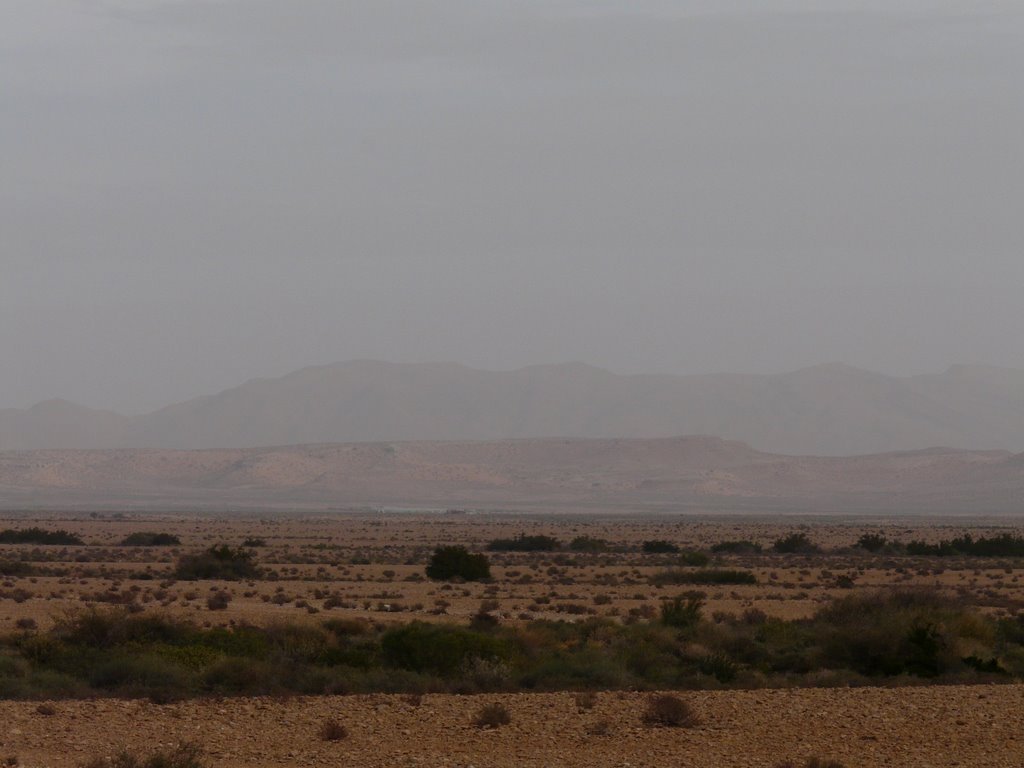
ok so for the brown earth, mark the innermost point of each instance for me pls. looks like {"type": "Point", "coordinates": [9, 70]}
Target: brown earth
{"type": "Point", "coordinates": [374, 562]}
{"type": "Point", "coordinates": [862, 728]}
{"type": "Point", "coordinates": [664, 475]}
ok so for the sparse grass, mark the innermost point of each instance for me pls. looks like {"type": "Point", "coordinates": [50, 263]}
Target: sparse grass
{"type": "Point", "coordinates": [184, 756]}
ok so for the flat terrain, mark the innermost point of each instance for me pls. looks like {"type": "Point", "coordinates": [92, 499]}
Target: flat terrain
{"type": "Point", "coordinates": [371, 566]}
{"type": "Point", "coordinates": [697, 474]}
{"type": "Point", "coordinates": [862, 728]}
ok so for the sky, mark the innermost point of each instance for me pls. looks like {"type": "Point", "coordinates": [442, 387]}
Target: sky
{"type": "Point", "coordinates": [197, 192]}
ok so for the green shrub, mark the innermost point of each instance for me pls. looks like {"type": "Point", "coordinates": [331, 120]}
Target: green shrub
{"type": "Point", "coordinates": [448, 563]}
{"type": "Point", "coordinates": [588, 544]}
{"type": "Point", "coordinates": [694, 559]}
{"type": "Point", "coordinates": [1001, 545]}
{"type": "Point", "coordinates": [37, 535]}
{"type": "Point", "coordinates": [438, 648]}
{"type": "Point", "coordinates": [889, 633]}
{"type": "Point", "coordinates": [218, 563]}
{"type": "Point", "coordinates": [795, 543]}
{"type": "Point", "coordinates": [872, 542]}
{"type": "Point", "coordinates": [16, 568]}
{"type": "Point", "coordinates": [682, 612]}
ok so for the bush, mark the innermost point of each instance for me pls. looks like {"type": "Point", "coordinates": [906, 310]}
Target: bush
{"type": "Point", "coordinates": [184, 756]}
{"type": "Point", "coordinates": [220, 563]}
{"type": "Point", "coordinates": [253, 541]}
{"type": "Point", "coordinates": [524, 543]}
{"type": "Point", "coordinates": [683, 611]}
{"type": "Point", "coordinates": [659, 546]}
{"type": "Point", "coordinates": [668, 711]}
{"type": "Point", "coordinates": [448, 563]}
{"type": "Point", "coordinates": [889, 633]}
{"type": "Point", "coordinates": [588, 544]}
{"type": "Point", "coordinates": [37, 535]}
{"type": "Point", "coordinates": [17, 568]}
{"type": "Point", "coordinates": [694, 559]}
{"type": "Point", "coordinates": [795, 544]}
{"type": "Point", "coordinates": [492, 716]}
{"type": "Point", "coordinates": [150, 539]}
{"type": "Point", "coordinates": [332, 730]}
{"type": "Point", "coordinates": [1002, 545]}
{"type": "Point", "coordinates": [872, 542]}
{"type": "Point", "coordinates": [218, 601]}
{"type": "Point", "coordinates": [439, 648]}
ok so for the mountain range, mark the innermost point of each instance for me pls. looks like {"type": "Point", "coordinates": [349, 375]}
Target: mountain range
{"type": "Point", "coordinates": [826, 410]}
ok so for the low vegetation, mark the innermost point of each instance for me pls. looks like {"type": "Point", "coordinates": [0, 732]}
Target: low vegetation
{"type": "Point", "coordinates": [492, 716]}
{"type": "Point", "coordinates": [892, 637]}
{"type": "Point", "coordinates": [458, 563]}
{"type": "Point", "coordinates": [183, 756]}
{"type": "Point", "coordinates": [41, 536]}
{"type": "Point", "coordinates": [1001, 545]}
{"type": "Point", "coordinates": [795, 544]}
{"type": "Point", "coordinates": [668, 711]}
{"type": "Point", "coordinates": [220, 562]}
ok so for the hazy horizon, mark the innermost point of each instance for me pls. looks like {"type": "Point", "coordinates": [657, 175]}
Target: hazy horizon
{"type": "Point", "coordinates": [201, 192]}
{"type": "Point", "coordinates": [334, 363]}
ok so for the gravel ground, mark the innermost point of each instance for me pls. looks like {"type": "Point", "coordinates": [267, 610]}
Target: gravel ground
{"type": "Point", "coordinates": [933, 726]}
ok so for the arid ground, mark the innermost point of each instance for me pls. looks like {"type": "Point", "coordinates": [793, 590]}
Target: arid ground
{"type": "Point", "coordinates": [371, 566]}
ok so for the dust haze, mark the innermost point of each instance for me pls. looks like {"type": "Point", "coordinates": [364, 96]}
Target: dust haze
{"type": "Point", "coordinates": [197, 193]}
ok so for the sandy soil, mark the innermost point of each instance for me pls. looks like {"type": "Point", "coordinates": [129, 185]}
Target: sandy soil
{"type": "Point", "coordinates": [373, 564]}
{"type": "Point", "coordinates": [961, 726]}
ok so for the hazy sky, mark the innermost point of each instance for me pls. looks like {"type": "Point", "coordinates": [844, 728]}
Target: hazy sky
{"type": "Point", "coordinates": [195, 192]}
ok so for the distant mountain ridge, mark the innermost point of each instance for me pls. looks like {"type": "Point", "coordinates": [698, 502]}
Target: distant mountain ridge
{"type": "Point", "coordinates": [828, 410]}
{"type": "Point", "coordinates": [671, 475]}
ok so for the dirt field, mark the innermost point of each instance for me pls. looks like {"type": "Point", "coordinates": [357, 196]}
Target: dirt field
{"type": "Point", "coordinates": [911, 728]}
{"type": "Point", "coordinates": [371, 565]}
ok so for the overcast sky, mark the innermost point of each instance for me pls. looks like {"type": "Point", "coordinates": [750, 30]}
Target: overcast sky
{"type": "Point", "coordinates": [196, 192]}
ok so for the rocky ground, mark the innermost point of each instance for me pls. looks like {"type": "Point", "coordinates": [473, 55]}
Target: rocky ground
{"type": "Point", "coordinates": [913, 727]}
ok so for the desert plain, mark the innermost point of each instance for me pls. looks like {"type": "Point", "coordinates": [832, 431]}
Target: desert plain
{"type": "Point", "coordinates": [369, 566]}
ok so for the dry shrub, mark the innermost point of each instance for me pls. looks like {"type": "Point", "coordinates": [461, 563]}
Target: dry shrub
{"type": "Point", "coordinates": [332, 730]}
{"type": "Point", "coordinates": [46, 710]}
{"type": "Point", "coordinates": [601, 727]}
{"type": "Point", "coordinates": [668, 711]}
{"type": "Point", "coordinates": [492, 716]}
{"type": "Point", "coordinates": [183, 756]}
{"type": "Point", "coordinates": [585, 700]}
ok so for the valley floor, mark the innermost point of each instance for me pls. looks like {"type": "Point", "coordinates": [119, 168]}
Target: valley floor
{"type": "Point", "coordinates": [933, 726]}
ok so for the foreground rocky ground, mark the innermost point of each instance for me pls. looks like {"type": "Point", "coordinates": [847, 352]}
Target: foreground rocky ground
{"type": "Point", "coordinates": [936, 726]}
